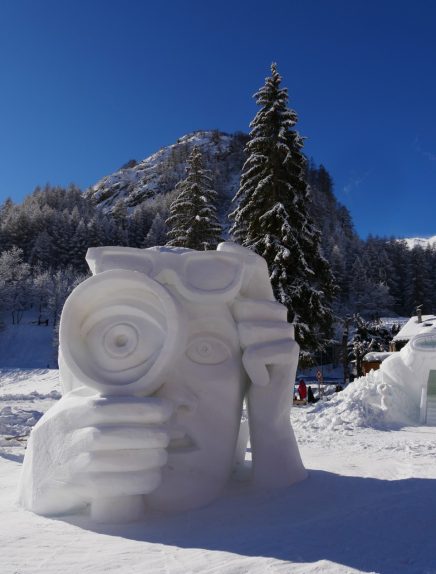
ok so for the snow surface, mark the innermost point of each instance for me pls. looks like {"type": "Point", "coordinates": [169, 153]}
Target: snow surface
{"type": "Point", "coordinates": [368, 505]}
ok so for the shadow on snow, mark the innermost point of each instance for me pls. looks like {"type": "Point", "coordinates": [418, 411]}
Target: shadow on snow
{"type": "Point", "coordinates": [363, 523]}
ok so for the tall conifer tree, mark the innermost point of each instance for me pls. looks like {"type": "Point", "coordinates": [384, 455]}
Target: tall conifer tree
{"type": "Point", "coordinates": [272, 216]}
{"type": "Point", "coordinates": [193, 221]}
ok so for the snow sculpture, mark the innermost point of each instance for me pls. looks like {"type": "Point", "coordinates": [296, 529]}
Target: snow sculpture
{"type": "Point", "coordinates": [158, 350]}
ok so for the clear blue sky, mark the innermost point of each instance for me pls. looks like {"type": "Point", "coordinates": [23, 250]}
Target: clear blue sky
{"type": "Point", "coordinates": [86, 85]}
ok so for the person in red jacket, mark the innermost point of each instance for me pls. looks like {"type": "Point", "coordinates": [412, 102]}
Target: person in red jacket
{"type": "Point", "coordinates": [302, 390]}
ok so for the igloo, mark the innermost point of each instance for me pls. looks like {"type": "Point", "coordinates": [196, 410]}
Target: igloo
{"type": "Point", "coordinates": [158, 350]}
{"type": "Point", "coordinates": [414, 369]}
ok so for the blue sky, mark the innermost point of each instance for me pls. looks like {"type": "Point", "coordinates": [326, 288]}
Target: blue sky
{"type": "Point", "coordinates": [88, 84]}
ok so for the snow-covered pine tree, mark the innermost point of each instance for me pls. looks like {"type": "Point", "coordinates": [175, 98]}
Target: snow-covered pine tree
{"type": "Point", "coordinates": [139, 225]}
{"type": "Point", "coordinates": [41, 253]}
{"type": "Point", "coordinates": [15, 285]}
{"type": "Point", "coordinates": [369, 336]}
{"type": "Point", "coordinates": [158, 232]}
{"type": "Point", "coordinates": [193, 220]}
{"type": "Point", "coordinates": [419, 284]}
{"type": "Point", "coordinates": [272, 217]}
{"type": "Point", "coordinates": [368, 297]}
{"type": "Point", "coordinates": [399, 280]}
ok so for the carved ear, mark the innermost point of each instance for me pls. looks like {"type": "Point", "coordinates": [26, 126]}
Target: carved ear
{"type": "Point", "coordinates": [101, 259]}
{"type": "Point", "coordinates": [256, 283]}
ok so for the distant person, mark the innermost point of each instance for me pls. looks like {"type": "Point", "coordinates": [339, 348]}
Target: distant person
{"type": "Point", "coordinates": [310, 396]}
{"type": "Point", "coordinates": [302, 390]}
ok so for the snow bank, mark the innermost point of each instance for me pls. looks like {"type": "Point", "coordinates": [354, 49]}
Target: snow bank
{"type": "Point", "coordinates": [367, 402]}
{"type": "Point", "coordinates": [16, 422]}
{"type": "Point", "coordinates": [393, 396]}
{"type": "Point", "coordinates": [24, 397]}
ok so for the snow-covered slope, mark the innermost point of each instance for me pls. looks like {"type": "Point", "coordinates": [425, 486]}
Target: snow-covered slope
{"type": "Point", "coordinates": [367, 506]}
{"type": "Point", "coordinates": [138, 182]}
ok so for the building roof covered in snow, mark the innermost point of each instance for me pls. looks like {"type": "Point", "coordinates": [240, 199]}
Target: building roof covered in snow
{"type": "Point", "coordinates": [376, 356]}
{"type": "Point", "coordinates": [415, 327]}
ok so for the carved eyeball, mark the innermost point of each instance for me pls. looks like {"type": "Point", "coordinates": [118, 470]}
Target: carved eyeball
{"type": "Point", "coordinates": [118, 331]}
{"type": "Point", "coordinates": [122, 337]}
{"type": "Point", "coordinates": [207, 351]}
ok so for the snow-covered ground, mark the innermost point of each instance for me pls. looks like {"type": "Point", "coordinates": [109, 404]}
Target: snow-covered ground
{"type": "Point", "coordinates": [367, 506]}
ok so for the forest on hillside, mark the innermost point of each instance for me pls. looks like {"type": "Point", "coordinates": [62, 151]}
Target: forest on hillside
{"type": "Point", "coordinates": [43, 242]}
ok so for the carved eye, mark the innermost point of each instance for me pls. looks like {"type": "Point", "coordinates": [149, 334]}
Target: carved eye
{"type": "Point", "coordinates": [208, 351]}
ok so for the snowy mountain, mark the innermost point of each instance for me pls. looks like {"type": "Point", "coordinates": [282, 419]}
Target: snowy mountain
{"type": "Point", "coordinates": [136, 183]}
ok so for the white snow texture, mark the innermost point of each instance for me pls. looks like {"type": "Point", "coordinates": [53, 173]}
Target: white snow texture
{"type": "Point", "coordinates": [158, 350]}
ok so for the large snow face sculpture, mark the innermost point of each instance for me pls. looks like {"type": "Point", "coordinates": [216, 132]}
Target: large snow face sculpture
{"type": "Point", "coordinates": [157, 352]}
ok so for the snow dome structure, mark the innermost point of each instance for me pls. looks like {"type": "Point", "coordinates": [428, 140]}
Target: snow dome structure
{"type": "Point", "coordinates": [158, 350]}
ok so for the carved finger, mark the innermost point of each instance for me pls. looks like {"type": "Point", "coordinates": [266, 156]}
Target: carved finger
{"type": "Point", "coordinates": [259, 310]}
{"type": "Point", "coordinates": [257, 358]}
{"type": "Point", "coordinates": [120, 461]}
{"type": "Point", "coordinates": [96, 410]}
{"type": "Point", "coordinates": [112, 438]}
{"type": "Point", "coordinates": [113, 484]}
{"type": "Point", "coordinates": [254, 332]}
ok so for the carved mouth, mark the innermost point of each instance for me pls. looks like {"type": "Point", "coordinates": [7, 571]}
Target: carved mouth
{"type": "Point", "coordinates": [181, 442]}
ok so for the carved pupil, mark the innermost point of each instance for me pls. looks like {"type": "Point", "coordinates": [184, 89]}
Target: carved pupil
{"type": "Point", "coordinates": [121, 340]}
{"type": "Point", "coordinates": [204, 349]}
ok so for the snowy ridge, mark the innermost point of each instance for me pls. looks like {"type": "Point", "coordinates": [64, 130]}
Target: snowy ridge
{"type": "Point", "coordinates": [423, 242]}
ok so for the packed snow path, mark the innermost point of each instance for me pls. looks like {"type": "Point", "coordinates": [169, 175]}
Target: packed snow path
{"type": "Point", "coordinates": [368, 506]}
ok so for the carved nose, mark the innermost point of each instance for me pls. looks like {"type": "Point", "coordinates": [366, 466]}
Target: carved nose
{"type": "Point", "coordinates": [185, 402]}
